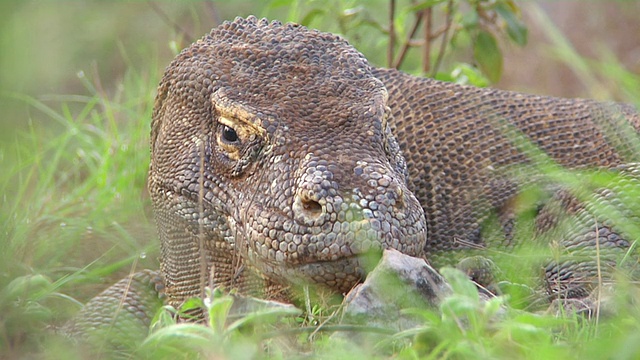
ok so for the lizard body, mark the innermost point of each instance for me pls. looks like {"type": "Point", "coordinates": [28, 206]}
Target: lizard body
{"type": "Point", "coordinates": [279, 155]}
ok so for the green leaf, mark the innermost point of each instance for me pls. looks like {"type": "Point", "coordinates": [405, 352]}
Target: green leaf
{"type": "Point", "coordinates": [164, 317]}
{"type": "Point", "coordinates": [469, 20]}
{"type": "Point", "coordinates": [459, 306]}
{"type": "Point", "coordinates": [28, 287]}
{"type": "Point", "coordinates": [515, 28]}
{"type": "Point", "coordinates": [424, 5]}
{"type": "Point", "coordinates": [218, 312]}
{"type": "Point", "coordinates": [494, 305]}
{"type": "Point", "coordinates": [191, 304]}
{"type": "Point", "coordinates": [465, 74]}
{"type": "Point", "coordinates": [488, 55]}
{"type": "Point", "coordinates": [179, 341]}
{"type": "Point", "coordinates": [460, 282]}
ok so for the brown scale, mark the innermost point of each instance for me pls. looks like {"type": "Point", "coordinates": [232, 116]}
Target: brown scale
{"type": "Point", "coordinates": [573, 133]}
{"type": "Point", "coordinates": [310, 108]}
{"type": "Point", "coordinates": [270, 161]}
{"type": "Point", "coordinates": [318, 177]}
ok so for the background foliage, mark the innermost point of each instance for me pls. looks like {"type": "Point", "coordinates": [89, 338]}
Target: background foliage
{"type": "Point", "coordinates": [77, 82]}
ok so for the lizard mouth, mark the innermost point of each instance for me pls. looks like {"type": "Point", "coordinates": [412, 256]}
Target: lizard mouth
{"type": "Point", "coordinates": [340, 275]}
{"type": "Point", "coordinates": [335, 254]}
{"type": "Point", "coordinates": [284, 240]}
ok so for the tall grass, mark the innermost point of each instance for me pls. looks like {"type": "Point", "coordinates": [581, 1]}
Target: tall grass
{"type": "Point", "coordinates": [74, 211]}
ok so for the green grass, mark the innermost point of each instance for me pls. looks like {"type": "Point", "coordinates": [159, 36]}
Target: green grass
{"type": "Point", "coordinates": [74, 210]}
{"type": "Point", "coordinates": [76, 217]}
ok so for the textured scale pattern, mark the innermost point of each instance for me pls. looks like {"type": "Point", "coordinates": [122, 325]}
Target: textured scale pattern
{"type": "Point", "coordinates": [118, 319]}
{"type": "Point", "coordinates": [273, 143]}
{"type": "Point", "coordinates": [457, 138]}
{"type": "Point", "coordinates": [466, 163]}
{"type": "Point", "coordinates": [280, 156]}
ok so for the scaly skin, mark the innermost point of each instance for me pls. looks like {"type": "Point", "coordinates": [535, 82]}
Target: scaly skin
{"type": "Point", "coordinates": [467, 163]}
{"type": "Point", "coordinates": [279, 156]}
{"type": "Point", "coordinates": [309, 179]}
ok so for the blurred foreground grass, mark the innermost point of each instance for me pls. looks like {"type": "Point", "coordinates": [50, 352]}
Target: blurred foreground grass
{"type": "Point", "coordinates": [75, 213]}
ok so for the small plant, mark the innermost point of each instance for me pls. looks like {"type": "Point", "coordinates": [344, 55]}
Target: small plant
{"type": "Point", "coordinates": [224, 332]}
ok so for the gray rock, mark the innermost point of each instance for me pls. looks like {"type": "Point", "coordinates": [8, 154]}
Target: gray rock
{"type": "Point", "coordinates": [398, 282]}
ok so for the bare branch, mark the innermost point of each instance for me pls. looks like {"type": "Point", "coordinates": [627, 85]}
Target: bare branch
{"type": "Point", "coordinates": [392, 32]}
{"type": "Point", "coordinates": [408, 43]}
{"type": "Point", "coordinates": [427, 16]}
{"type": "Point", "coordinates": [444, 39]}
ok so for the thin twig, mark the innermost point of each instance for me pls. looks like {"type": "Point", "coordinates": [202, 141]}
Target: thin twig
{"type": "Point", "coordinates": [444, 39]}
{"type": "Point", "coordinates": [392, 32]}
{"type": "Point", "coordinates": [598, 267]}
{"type": "Point", "coordinates": [322, 325]}
{"type": "Point", "coordinates": [307, 303]}
{"type": "Point", "coordinates": [435, 34]}
{"type": "Point", "coordinates": [407, 43]}
{"type": "Point", "coordinates": [427, 15]}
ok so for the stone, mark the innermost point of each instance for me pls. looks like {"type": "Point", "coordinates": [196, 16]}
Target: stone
{"type": "Point", "coordinates": [398, 282]}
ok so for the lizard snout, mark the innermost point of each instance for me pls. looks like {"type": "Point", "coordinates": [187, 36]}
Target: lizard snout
{"type": "Point", "coordinates": [308, 208]}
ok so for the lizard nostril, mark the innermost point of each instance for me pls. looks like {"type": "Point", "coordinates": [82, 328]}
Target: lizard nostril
{"type": "Point", "coordinates": [311, 208]}
{"type": "Point", "coordinates": [308, 209]}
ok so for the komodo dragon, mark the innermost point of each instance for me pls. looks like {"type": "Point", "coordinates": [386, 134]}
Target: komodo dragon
{"type": "Point", "coordinates": [279, 156]}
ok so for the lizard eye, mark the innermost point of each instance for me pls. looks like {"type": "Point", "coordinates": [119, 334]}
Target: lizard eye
{"type": "Point", "coordinates": [229, 135]}
{"type": "Point", "coordinates": [236, 138]}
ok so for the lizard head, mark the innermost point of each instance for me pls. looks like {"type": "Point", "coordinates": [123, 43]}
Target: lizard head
{"type": "Point", "coordinates": [273, 142]}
